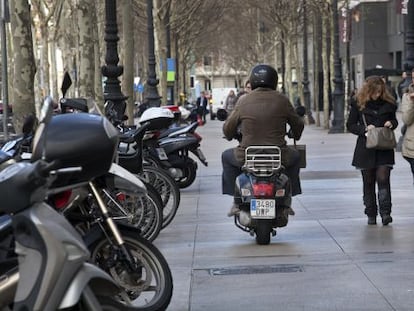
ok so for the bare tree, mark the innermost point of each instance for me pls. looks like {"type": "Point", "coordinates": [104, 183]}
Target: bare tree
{"type": "Point", "coordinates": [24, 64]}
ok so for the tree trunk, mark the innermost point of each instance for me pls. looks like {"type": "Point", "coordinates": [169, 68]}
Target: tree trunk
{"type": "Point", "coordinates": [160, 36]}
{"type": "Point", "coordinates": [86, 20]}
{"type": "Point", "coordinates": [24, 68]}
{"type": "Point", "coordinates": [316, 65]}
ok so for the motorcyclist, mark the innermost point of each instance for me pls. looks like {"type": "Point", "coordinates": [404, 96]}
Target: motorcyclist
{"type": "Point", "coordinates": [261, 118]}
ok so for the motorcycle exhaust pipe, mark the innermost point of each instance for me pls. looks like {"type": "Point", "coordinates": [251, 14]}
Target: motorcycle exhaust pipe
{"type": "Point", "coordinates": [8, 287]}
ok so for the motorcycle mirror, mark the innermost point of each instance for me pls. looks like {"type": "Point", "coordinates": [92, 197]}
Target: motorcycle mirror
{"type": "Point", "coordinates": [221, 114]}
{"type": "Point", "coordinates": [66, 83]}
{"type": "Point", "coordinates": [300, 110]}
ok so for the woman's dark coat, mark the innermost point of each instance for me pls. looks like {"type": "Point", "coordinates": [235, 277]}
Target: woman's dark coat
{"type": "Point", "coordinates": [376, 113]}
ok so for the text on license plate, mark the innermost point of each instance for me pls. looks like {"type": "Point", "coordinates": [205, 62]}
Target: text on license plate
{"type": "Point", "coordinates": [262, 208]}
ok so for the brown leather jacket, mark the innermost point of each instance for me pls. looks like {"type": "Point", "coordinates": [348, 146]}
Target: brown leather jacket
{"type": "Point", "coordinates": [262, 116]}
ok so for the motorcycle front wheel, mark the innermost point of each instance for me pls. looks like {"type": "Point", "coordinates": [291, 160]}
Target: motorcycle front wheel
{"type": "Point", "coordinates": [150, 287]}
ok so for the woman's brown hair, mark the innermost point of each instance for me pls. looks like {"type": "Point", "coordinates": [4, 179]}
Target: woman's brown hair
{"type": "Point", "coordinates": [372, 85]}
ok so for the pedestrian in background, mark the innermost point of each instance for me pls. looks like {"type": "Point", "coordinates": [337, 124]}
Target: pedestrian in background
{"type": "Point", "coordinates": [400, 86]}
{"type": "Point", "coordinates": [202, 106]}
{"type": "Point", "coordinates": [246, 90]}
{"type": "Point", "coordinates": [389, 87]}
{"type": "Point", "coordinates": [407, 106]}
{"type": "Point", "coordinates": [230, 102]}
{"type": "Point", "coordinates": [378, 107]}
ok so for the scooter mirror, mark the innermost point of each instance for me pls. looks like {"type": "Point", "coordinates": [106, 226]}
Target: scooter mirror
{"type": "Point", "coordinates": [66, 83]}
{"type": "Point", "coordinates": [300, 110]}
{"type": "Point", "coordinates": [221, 114]}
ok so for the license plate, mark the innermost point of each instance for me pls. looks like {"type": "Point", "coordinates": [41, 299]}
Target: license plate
{"type": "Point", "coordinates": [161, 154]}
{"type": "Point", "coordinates": [262, 208]}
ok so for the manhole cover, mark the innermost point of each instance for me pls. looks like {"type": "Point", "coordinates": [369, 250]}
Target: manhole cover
{"type": "Point", "coordinates": [257, 269]}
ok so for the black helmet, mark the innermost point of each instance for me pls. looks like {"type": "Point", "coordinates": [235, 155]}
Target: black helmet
{"type": "Point", "coordinates": [263, 76]}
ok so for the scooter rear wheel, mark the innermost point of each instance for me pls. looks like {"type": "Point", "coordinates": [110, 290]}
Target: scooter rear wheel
{"type": "Point", "coordinates": [190, 173]}
{"type": "Point", "coordinates": [263, 231]}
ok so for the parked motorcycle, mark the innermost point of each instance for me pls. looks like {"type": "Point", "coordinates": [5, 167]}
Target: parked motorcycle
{"type": "Point", "coordinates": [139, 209]}
{"type": "Point", "coordinates": [134, 263]}
{"type": "Point", "coordinates": [130, 156]}
{"type": "Point", "coordinates": [172, 153]}
{"type": "Point", "coordinates": [53, 271]}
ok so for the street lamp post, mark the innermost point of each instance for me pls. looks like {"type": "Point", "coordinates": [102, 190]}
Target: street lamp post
{"type": "Point", "coordinates": [338, 93]}
{"type": "Point", "coordinates": [306, 92]}
{"type": "Point", "coordinates": [111, 70]}
{"type": "Point", "coordinates": [152, 98]}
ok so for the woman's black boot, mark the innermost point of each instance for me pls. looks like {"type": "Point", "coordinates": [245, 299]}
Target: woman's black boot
{"type": "Point", "coordinates": [384, 200]}
{"type": "Point", "coordinates": [372, 220]}
{"type": "Point", "coordinates": [386, 219]}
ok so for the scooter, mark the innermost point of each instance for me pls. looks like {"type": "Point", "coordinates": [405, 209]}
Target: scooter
{"type": "Point", "coordinates": [262, 193]}
{"type": "Point", "coordinates": [129, 269]}
{"type": "Point", "coordinates": [172, 153]}
{"type": "Point", "coordinates": [53, 272]}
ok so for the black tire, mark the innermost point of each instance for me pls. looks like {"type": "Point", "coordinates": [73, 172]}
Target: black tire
{"type": "Point", "coordinates": [141, 211]}
{"type": "Point", "coordinates": [190, 173]}
{"type": "Point", "coordinates": [167, 188]}
{"type": "Point", "coordinates": [150, 291]}
{"type": "Point", "coordinates": [89, 302]}
{"type": "Point", "coordinates": [263, 232]}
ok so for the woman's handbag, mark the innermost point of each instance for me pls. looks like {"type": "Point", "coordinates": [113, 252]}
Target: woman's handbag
{"type": "Point", "coordinates": [381, 138]}
{"type": "Point", "coordinates": [302, 153]}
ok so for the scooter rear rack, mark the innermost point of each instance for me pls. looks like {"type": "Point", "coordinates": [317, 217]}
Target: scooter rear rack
{"type": "Point", "coordinates": [262, 161]}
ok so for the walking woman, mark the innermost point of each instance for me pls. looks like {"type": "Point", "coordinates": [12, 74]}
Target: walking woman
{"type": "Point", "coordinates": [375, 107]}
{"type": "Point", "coordinates": [407, 106]}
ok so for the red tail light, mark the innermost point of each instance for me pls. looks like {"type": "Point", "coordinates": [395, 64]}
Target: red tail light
{"type": "Point", "coordinates": [61, 199]}
{"type": "Point", "coordinates": [263, 189]}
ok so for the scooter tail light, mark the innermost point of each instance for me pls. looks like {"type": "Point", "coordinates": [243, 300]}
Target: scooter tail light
{"type": "Point", "coordinates": [263, 189]}
{"type": "Point", "coordinates": [61, 199]}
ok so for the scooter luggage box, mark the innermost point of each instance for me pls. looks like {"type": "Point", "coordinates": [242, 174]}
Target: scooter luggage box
{"type": "Point", "coordinates": [78, 140]}
{"type": "Point", "coordinates": [159, 118]}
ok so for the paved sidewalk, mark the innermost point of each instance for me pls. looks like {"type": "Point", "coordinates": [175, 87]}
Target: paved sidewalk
{"type": "Point", "coordinates": [327, 258]}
